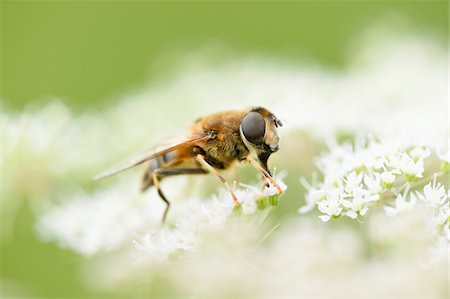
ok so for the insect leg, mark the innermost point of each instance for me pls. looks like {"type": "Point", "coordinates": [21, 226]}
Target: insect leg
{"type": "Point", "coordinates": [159, 173]}
{"type": "Point", "coordinates": [211, 169]}
{"type": "Point", "coordinates": [264, 173]}
{"type": "Point", "coordinates": [161, 194]}
{"type": "Point", "coordinates": [147, 177]}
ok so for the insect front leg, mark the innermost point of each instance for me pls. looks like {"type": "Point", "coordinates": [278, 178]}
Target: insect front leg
{"type": "Point", "coordinates": [264, 173]}
{"type": "Point", "coordinates": [211, 169]}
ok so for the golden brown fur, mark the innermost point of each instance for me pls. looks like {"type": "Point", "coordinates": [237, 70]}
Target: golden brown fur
{"type": "Point", "coordinates": [220, 152]}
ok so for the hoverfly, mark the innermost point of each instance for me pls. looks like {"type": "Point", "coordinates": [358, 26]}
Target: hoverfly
{"type": "Point", "coordinates": [215, 143]}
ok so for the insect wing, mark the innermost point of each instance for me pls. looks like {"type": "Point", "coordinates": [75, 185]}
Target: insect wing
{"type": "Point", "coordinates": [149, 156]}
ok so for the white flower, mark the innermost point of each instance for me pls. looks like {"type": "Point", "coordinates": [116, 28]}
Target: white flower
{"type": "Point", "coordinates": [373, 182]}
{"type": "Point", "coordinates": [330, 206]}
{"type": "Point", "coordinates": [107, 220]}
{"type": "Point", "coordinates": [388, 179]}
{"type": "Point", "coordinates": [358, 204]}
{"type": "Point", "coordinates": [433, 194]}
{"type": "Point", "coordinates": [247, 200]}
{"type": "Point", "coordinates": [101, 222]}
{"type": "Point", "coordinates": [445, 157]}
{"type": "Point", "coordinates": [443, 214]}
{"type": "Point", "coordinates": [312, 198]}
{"type": "Point", "coordinates": [411, 168]}
{"type": "Point", "coordinates": [156, 246]}
{"type": "Point", "coordinates": [401, 205]}
{"type": "Point", "coordinates": [352, 181]}
{"type": "Point", "coordinates": [214, 213]}
{"type": "Point", "coordinates": [272, 190]}
{"type": "Point", "coordinates": [420, 153]}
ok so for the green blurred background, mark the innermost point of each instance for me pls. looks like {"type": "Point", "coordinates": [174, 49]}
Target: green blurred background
{"type": "Point", "coordinates": [89, 52]}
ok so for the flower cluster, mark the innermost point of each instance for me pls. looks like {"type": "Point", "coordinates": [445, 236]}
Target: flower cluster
{"type": "Point", "coordinates": [196, 215]}
{"type": "Point", "coordinates": [373, 171]}
{"type": "Point", "coordinates": [115, 218]}
{"type": "Point", "coordinates": [434, 196]}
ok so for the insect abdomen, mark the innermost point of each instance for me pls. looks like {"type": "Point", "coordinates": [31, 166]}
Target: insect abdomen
{"type": "Point", "coordinates": [160, 162]}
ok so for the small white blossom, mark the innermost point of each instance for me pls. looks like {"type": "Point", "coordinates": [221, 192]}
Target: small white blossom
{"type": "Point", "coordinates": [352, 181]}
{"type": "Point", "coordinates": [433, 194]}
{"type": "Point", "coordinates": [443, 214]}
{"type": "Point", "coordinates": [312, 198]}
{"type": "Point", "coordinates": [411, 168]}
{"type": "Point", "coordinates": [358, 204]}
{"type": "Point", "coordinates": [420, 153]}
{"type": "Point", "coordinates": [444, 156]}
{"type": "Point", "coordinates": [156, 246]}
{"type": "Point", "coordinates": [401, 205]}
{"type": "Point", "coordinates": [247, 200]}
{"type": "Point", "coordinates": [272, 190]}
{"type": "Point", "coordinates": [373, 183]}
{"type": "Point", "coordinates": [330, 206]}
{"type": "Point", "coordinates": [387, 177]}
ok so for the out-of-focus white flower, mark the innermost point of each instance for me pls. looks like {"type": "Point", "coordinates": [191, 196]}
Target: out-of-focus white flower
{"type": "Point", "coordinates": [439, 250]}
{"type": "Point", "coordinates": [443, 212]}
{"type": "Point", "coordinates": [334, 266]}
{"type": "Point", "coordinates": [373, 183]}
{"type": "Point", "coordinates": [352, 181]}
{"type": "Point", "coordinates": [433, 194]}
{"type": "Point", "coordinates": [110, 219]}
{"type": "Point", "coordinates": [101, 222]}
{"type": "Point", "coordinates": [412, 169]}
{"type": "Point", "coordinates": [443, 156]}
{"type": "Point", "coordinates": [445, 160]}
{"type": "Point", "coordinates": [312, 198]}
{"type": "Point", "coordinates": [401, 205]}
{"type": "Point", "coordinates": [195, 216]}
{"type": "Point", "coordinates": [388, 179]}
{"type": "Point", "coordinates": [419, 153]}
{"type": "Point", "coordinates": [156, 246]}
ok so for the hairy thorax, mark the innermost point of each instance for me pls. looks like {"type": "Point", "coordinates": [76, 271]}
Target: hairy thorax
{"type": "Point", "coordinates": [227, 147]}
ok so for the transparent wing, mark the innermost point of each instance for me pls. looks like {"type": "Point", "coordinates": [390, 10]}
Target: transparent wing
{"type": "Point", "coordinates": [149, 156]}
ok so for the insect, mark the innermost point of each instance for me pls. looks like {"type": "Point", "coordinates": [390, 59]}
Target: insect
{"type": "Point", "coordinates": [216, 142]}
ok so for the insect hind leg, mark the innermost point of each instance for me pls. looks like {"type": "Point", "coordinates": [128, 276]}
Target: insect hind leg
{"type": "Point", "coordinates": [159, 173]}
{"type": "Point", "coordinates": [160, 193]}
{"type": "Point", "coordinates": [147, 180]}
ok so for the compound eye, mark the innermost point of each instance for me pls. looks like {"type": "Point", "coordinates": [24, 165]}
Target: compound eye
{"type": "Point", "coordinates": [253, 127]}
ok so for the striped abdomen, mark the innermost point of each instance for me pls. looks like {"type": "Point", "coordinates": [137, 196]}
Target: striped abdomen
{"type": "Point", "coordinates": [161, 162]}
